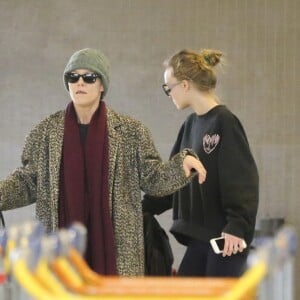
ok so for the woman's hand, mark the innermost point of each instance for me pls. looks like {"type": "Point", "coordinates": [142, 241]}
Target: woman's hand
{"type": "Point", "coordinates": [233, 244]}
{"type": "Point", "coordinates": [190, 163]}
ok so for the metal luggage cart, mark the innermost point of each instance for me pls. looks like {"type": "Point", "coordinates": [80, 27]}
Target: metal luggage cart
{"type": "Point", "coordinates": [270, 276]}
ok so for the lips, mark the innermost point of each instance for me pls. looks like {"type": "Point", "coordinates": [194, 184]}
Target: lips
{"type": "Point", "coordinates": [80, 92]}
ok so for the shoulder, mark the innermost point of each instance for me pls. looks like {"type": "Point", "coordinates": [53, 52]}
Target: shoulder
{"type": "Point", "coordinates": [125, 123]}
{"type": "Point", "coordinates": [226, 116]}
{"type": "Point", "coordinates": [223, 111]}
{"type": "Point", "coordinates": [53, 120]}
{"type": "Point", "coordinates": [230, 124]}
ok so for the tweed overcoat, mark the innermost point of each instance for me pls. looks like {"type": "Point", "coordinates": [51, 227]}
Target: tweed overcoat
{"type": "Point", "coordinates": [134, 165]}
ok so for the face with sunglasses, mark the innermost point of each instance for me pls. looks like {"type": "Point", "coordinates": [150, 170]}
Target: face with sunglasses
{"type": "Point", "coordinates": [176, 89]}
{"type": "Point", "coordinates": [85, 87]}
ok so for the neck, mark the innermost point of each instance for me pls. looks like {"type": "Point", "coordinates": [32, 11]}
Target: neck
{"type": "Point", "coordinates": [204, 102]}
{"type": "Point", "coordinates": [85, 113]}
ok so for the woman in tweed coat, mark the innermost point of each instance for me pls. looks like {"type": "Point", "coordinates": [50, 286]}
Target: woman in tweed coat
{"type": "Point", "coordinates": [68, 182]}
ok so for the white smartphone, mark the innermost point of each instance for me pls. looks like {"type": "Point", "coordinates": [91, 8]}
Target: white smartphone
{"type": "Point", "coordinates": [218, 244]}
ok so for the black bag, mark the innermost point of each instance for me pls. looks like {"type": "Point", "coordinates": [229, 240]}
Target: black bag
{"type": "Point", "coordinates": [158, 253]}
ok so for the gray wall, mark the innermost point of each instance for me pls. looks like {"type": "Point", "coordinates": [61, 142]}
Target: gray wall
{"type": "Point", "coordinates": [260, 38]}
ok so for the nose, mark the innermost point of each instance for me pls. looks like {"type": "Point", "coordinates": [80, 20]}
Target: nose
{"type": "Point", "coordinates": [80, 81]}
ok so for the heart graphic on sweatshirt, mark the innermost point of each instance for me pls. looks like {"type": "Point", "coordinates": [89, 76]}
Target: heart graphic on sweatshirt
{"type": "Point", "coordinates": [210, 142]}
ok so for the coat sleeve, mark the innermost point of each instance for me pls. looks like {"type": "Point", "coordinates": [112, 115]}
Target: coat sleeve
{"type": "Point", "coordinates": [158, 178]}
{"type": "Point", "coordinates": [19, 188]}
{"type": "Point", "coordinates": [239, 180]}
{"type": "Point", "coordinates": [158, 205]}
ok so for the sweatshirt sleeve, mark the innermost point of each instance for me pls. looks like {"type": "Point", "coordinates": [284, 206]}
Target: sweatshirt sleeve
{"type": "Point", "coordinates": [239, 180]}
{"type": "Point", "coordinates": [156, 205]}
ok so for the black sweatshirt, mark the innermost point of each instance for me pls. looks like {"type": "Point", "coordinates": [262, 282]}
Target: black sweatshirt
{"type": "Point", "coordinates": [227, 201]}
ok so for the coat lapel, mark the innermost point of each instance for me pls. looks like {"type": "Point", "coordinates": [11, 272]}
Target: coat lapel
{"type": "Point", "coordinates": [56, 137]}
{"type": "Point", "coordinates": [114, 137]}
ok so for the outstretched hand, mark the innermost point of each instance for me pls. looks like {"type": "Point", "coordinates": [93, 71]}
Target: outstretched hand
{"type": "Point", "coordinates": [190, 163]}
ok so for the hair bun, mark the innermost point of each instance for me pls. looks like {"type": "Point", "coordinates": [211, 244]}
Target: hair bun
{"type": "Point", "coordinates": [211, 57]}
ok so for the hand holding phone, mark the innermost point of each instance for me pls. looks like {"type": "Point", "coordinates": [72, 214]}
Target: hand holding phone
{"type": "Point", "coordinates": [218, 244]}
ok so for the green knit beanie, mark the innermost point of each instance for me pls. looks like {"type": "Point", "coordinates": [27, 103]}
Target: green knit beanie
{"type": "Point", "coordinates": [90, 59]}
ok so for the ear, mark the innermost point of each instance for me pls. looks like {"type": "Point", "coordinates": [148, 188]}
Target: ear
{"type": "Point", "coordinates": [101, 88]}
{"type": "Point", "coordinates": [186, 85]}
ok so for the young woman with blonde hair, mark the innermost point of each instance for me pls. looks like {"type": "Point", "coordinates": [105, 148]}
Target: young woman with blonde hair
{"type": "Point", "coordinates": [226, 204]}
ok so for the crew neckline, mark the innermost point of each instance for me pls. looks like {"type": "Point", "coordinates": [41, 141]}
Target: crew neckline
{"type": "Point", "coordinates": [211, 110]}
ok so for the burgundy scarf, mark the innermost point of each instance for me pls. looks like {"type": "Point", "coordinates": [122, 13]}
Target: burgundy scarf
{"type": "Point", "coordinates": [84, 187]}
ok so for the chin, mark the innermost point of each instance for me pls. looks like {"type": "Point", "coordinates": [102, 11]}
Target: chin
{"type": "Point", "coordinates": [181, 107]}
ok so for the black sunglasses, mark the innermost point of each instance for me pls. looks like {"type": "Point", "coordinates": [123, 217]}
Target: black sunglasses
{"type": "Point", "coordinates": [87, 78]}
{"type": "Point", "coordinates": [167, 89]}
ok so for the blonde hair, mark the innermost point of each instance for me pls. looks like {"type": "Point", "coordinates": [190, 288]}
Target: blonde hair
{"type": "Point", "coordinates": [197, 67]}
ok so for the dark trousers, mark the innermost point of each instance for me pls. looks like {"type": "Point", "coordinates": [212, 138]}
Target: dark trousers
{"type": "Point", "coordinates": [200, 260]}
